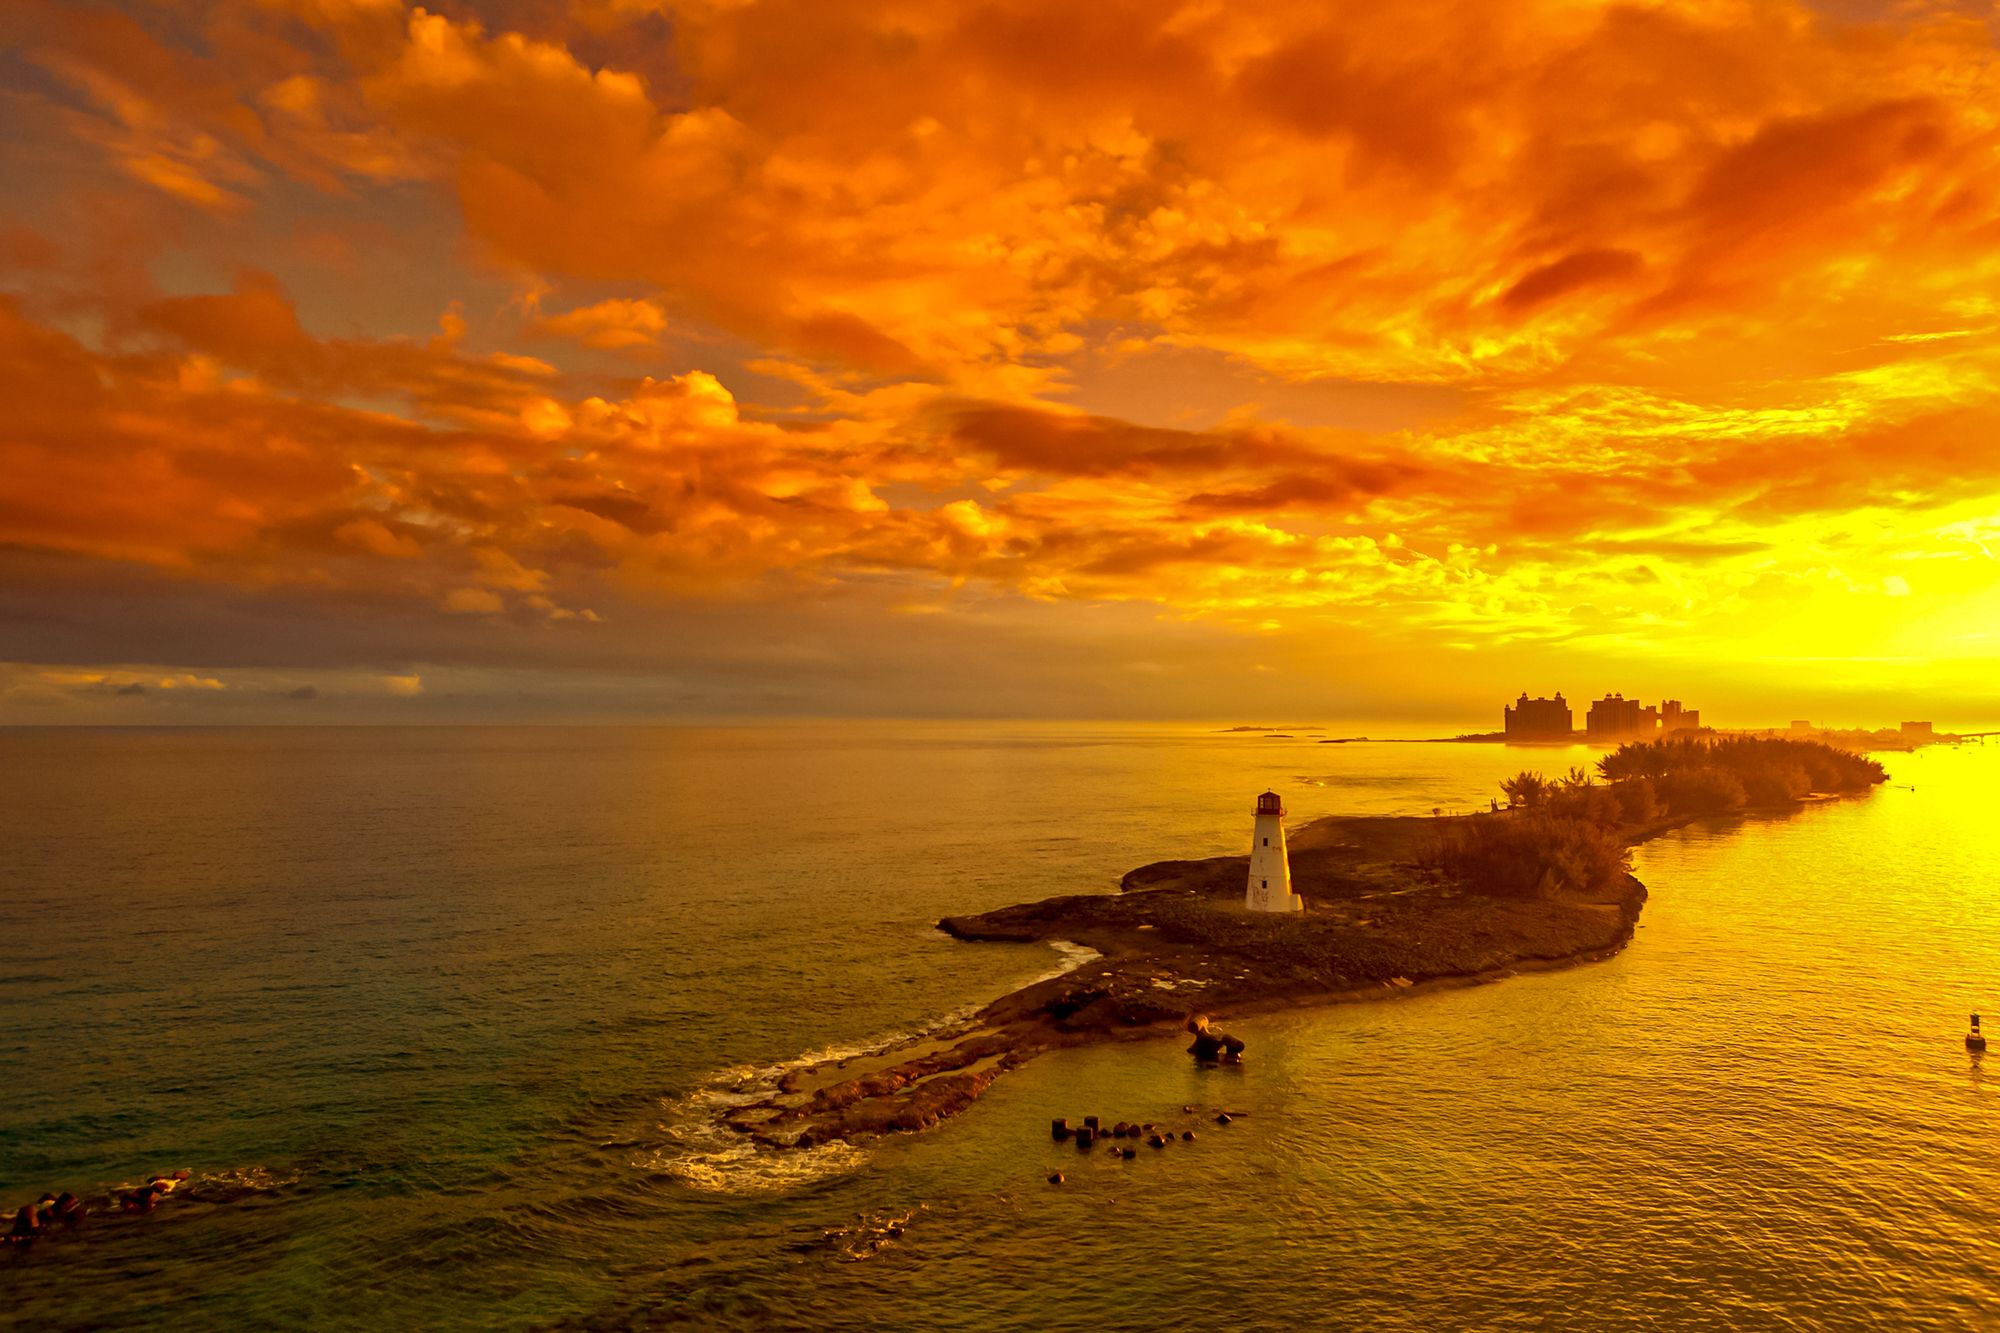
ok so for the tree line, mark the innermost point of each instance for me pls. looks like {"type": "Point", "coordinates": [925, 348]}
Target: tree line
{"type": "Point", "coordinates": [1573, 834]}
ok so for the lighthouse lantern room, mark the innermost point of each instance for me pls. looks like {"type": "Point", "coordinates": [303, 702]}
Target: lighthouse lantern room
{"type": "Point", "coordinates": [1270, 870]}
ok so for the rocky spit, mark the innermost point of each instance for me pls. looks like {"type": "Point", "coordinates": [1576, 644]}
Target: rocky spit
{"type": "Point", "coordinates": [1176, 943]}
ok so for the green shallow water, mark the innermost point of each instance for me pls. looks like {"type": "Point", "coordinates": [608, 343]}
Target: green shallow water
{"type": "Point", "coordinates": [461, 1004]}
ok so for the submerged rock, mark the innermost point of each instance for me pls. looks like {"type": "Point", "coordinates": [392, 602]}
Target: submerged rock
{"type": "Point", "coordinates": [1212, 1044]}
{"type": "Point", "coordinates": [64, 1212]}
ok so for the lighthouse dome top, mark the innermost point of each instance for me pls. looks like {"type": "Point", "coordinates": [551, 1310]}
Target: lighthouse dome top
{"type": "Point", "coordinates": [1270, 804]}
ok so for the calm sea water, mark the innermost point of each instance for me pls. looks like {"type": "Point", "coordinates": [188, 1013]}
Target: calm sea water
{"type": "Point", "coordinates": [461, 1004]}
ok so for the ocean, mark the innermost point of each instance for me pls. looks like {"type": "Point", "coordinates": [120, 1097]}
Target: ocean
{"type": "Point", "coordinates": [440, 1021]}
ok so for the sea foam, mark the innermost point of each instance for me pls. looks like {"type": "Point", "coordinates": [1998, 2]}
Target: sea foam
{"type": "Point", "coordinates": [701, 1150]}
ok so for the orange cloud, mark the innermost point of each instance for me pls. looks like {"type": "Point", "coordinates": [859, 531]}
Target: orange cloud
{"type": "Point", "coordinates": [612, 324]}
{"type": "Point", "coordinates": [1695, 295]}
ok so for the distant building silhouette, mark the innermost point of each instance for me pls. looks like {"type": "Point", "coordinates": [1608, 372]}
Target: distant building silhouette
{"type": "Point", "coordinates": [1616, 718]}
{"type": "Point", "coordinates": [1801, 724]}
{"type": "Point", "coordinates": [1673, 717]}
{"type": "Point", "coordinates": [1613, 719]}
{"type": "Point", "coordinates": [1538, 719]}
{"type": "Point", "coordinates": [1918, 731]}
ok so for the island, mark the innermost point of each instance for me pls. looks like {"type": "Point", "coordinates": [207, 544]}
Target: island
{"type": "Point", "coordinates": [1393, 906]}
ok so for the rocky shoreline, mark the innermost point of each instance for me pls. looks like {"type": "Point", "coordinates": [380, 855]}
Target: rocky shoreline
{"type": "Point", "coordinates": [1176, 940]}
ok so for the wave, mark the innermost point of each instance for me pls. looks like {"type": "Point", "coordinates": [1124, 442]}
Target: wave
{"type": "Point", "coordinates": [701, 1151]}
{"type": "Point", "coordinates": [704, 1154]}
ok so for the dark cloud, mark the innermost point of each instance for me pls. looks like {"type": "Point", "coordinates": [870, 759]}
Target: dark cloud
{"type": "Point", "coordinates": [1076, 445]}
{"type": "Point", "coordinates": [1338, 484]}
{"type": "Point", "coordinates": [1587, 268]}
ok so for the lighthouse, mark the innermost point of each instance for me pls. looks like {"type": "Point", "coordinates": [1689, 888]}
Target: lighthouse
{"type": "Point", "coordinates": [1270, 872]}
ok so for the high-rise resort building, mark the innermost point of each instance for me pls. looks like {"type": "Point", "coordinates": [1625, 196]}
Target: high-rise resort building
{"type": "Point", "coordinates": [1616, 718]}
{"type": "Point", "coordinates": [1270, 869]}
{"type": "Point", "coordinates": [1538, 719]}
{"type": "Point", "coordinates": [1919, 731]}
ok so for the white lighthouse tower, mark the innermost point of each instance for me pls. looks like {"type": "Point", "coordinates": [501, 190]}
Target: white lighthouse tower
{"type": "Point", "coordinates": [1270, 871]}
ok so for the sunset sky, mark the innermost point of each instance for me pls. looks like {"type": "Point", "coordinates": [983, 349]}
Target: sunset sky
{"type": "Point", "coordinates": [522, 359]}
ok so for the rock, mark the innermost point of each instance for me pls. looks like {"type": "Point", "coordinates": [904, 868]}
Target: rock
{"type": "Point", "coordinates": [1057, 1177]}
{"type": "Point", "coordinates": [1129, 1153]}
{"type": "Point", "coordinates": [1187, 1136]}
{"type": "Point", "coordinates": [1210, 1043]}
{"type": "Point", "coordinates": [1059, 1129]}
{"type": "Point", "coordinates": [803, 1141]}
{"type": "Point", "coordinates": [1223, 1118]}
{"type": "Point", "coordinates": [1085, 1137]}
{"type": "Point", "coordinates": [1090, 1122]}
{"type": "Point", "coordinates": [1156, 1142]}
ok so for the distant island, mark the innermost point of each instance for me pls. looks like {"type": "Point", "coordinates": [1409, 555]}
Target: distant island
{"type": "Point", "coordinates": [1393, 905]}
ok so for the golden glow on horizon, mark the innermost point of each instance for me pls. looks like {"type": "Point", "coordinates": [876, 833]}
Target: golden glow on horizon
{"type": "Point", "coordinates": [1429, 348]}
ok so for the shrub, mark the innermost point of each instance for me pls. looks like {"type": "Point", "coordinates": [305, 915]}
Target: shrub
{"type": "Point", "coordinates": [1774, 784]}
{"type": "Point", "coordinates": [1526, 789]}
{"type": "Point", "coordinates": [1529, 853]}
{"type": "Point", "coordinates": [1700, 791]}
{"type": "Point", "coordinates": [1826, 767]}
{"type": "Point", "coordinates": [1637, 803]}
{"type": "Point", "coordinates": [1587, 802]}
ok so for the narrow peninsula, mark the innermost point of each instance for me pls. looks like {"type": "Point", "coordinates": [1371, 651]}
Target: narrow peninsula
{"type": "Point", "coordinates": [1390, 906]}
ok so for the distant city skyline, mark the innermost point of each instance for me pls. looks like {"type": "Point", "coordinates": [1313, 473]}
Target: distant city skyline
{"type": "Point", "coordinates": [1611, 717]}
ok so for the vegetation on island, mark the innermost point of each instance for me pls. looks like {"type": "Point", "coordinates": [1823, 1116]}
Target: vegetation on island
{"type": "Point", "coordinates": [1573, 834]}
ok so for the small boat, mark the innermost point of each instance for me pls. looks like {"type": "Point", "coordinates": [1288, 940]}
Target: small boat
{"type": "Point", "coordinates": [1975, 1040]}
